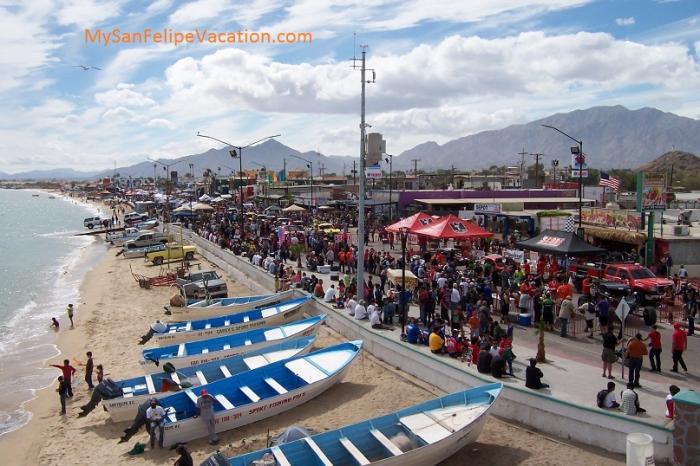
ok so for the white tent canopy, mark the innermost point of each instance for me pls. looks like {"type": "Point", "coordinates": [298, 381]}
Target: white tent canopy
{"type": "Point", "coordinates": [183, 208]}
{"type": "Point", "coordinates": [204, 197]}
{"type": "Point", "coordinates": [294, 208]}
{"type": "Point", "coordinates": [200, 206]}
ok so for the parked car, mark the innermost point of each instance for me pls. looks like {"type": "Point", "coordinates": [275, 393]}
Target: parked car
{"type": "Point", "coordinates": [199, 284]}
{"type": "Point", "coordinates": [150, 238]}
{"type": "Point", "coordinates": [171, 252]}
{"type": "Point", "coordinates": [92, 222]}
{"type": "Point", "coordinates": [134, 217]}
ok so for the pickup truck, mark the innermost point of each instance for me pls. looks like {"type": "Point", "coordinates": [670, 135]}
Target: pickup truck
{"type": "Point", "coordinates": [120, 237]}
{"type": "Point", "coordinates": [647, 287]}
{"type": "Point", "coordinates": [171, 252]}
{"type": "Point", "coordinates": [197, 285]}
{"type": "Point", "coordinates": [134, 217]}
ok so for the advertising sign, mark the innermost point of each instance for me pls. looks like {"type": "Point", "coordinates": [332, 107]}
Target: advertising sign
{"type": "Point", "coordinates": [628, 219]}
{"type": "Point", "coordinates": [373, 172]}
{"type": "Point", "coordinates": [515, 254]}
{"type": "Point", "coordinates": [653, 194]}
{"type": "Point", "coordinates": [578, 163]}
{"type": "Point", "coordinates": [487, 208]}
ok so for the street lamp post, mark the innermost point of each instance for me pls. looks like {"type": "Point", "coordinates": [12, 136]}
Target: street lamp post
{"type": "Point", "coordinates": [403, 296]}
{"type": "Point", "coordinates": [310, 166]}
{"type": "Point", "coordinates": [240, 170]}
{"type": "Point", "coordinates": [390, 159]}
{"type": "Point", "coordinates": [580, 160]}
{"type": "Point", "coordinates": [166, 169]}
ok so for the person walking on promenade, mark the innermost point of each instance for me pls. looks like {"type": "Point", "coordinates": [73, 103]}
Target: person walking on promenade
{"type": "Point", "coordinates": [89, 366]}
{"type": "Point", "coordinates": [608, 356]}
{"type": "Point", "coordinates": [205, 409]}
{"type": "Point", "coordinates": [679, 344]}
{"type": "Point", "coordinates": [69, 311]}
{"type": "Point", "coordinates": [654, 338]}
{"type": "Point", "coordinates": [636, 350]}
{"type": "Point", "coordinates": [566, 311]}
{"type": "Point", "coordinates": [62, 393]}
{"type": "Point", "coordinates": [68, 372]}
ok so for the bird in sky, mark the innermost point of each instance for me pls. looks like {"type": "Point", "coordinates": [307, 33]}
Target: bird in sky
{"type": "Point", "coordinates": [86, 68]}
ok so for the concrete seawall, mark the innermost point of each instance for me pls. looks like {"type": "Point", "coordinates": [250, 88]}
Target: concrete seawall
{"type": "Point", "coordinates": [546, 413]}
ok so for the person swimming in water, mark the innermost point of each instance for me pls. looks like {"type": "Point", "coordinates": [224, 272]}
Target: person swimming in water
{"type": "Point", "coordinates": [54, 324]}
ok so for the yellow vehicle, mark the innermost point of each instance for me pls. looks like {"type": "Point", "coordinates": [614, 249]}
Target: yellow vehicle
{"type": "Point", "coordinates": [171, 252]}
{"type": "Point", "coordinates": [328, 228]}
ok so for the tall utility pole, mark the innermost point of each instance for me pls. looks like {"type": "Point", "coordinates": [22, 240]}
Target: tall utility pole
{"type": "Point", "coordinates": [522, 165]}
{"type": "Point", "coordinates": [354, 173]}
{"type": "Point", "coordinates": [415, 166]}
{"type": "Point", "coordinates": [361, 201]}
{"type": "Point", "coordinates": [537, 169]}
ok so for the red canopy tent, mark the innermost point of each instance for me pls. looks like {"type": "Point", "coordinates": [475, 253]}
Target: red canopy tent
{"type": "Point", "coordinates": [413, 222]}
{"type": "Point", "coordinates": [452, 227]}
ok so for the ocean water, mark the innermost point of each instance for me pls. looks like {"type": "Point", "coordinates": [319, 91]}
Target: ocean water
{"type": "Point", "coordinates": [42, 264]}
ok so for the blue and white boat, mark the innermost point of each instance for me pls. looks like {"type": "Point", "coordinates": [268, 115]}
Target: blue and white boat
{"type": "Point", "coordinates": [159, 384]}
{"type": "Point", "coordinates": [222, 306]}
{"type": "Point", "coordinates": [259, 393]}
{"type": "Point", "coordinates": [287, 311]}
{"type": "Point", "coordinates": [424, 434]}
{"type": "Point", "coordinates": [214, 349]}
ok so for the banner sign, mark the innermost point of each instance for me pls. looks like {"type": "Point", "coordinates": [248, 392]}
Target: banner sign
{"type": "Point", "coordinates": [515, 254]}
{"type": "Point", "coordinates": [654, 191]}
{"type": "Point", "coordinates": [487, 208]}
{"type": "Point", "coordinates": [628, 219]}
{"type": "Point", "coordinates": [578, 163]}
{"type": "Point", "coordinates": [553, 241]}
{"type": "Point", "coordinates": [373, 172]}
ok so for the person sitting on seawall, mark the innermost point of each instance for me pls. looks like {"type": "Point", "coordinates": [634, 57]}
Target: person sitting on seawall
{"type": "Point", "coordinates": [670, 406]}
{"type": "Point", "coordinates": [498, 366]}
{"type": "Point", "coordinates": [606, 398]}
{"type": "Point", "coordinates": [533, 376]}
{"type": "Point", "coordinates": [630, 401]}
{"type": "Point", "coordinates": [361, 310]}
{"type": "Point", "coordinates": [483, 360]}
{"type": "Point", "coordinates": [412, 331]}
{"type": "Point", "coordinates": [375, 319]}
{"type": "Point", "coordinates": [436, 342]}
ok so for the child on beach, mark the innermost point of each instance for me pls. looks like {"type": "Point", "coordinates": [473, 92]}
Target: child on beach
{"type": "Point", "coordinates": [62, 393]}
{"type": "Point", "coordinates": [54, 324]}
{"type": "Point", "coordinates": [69, 311]}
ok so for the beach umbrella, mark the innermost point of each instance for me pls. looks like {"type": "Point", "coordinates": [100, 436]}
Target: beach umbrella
{"type": "Point", "coordinates": [183, 208]}
{"type": "Point", "coordinates": [202, 207]}
{"type": "Point", "coordinates": [204, 197]}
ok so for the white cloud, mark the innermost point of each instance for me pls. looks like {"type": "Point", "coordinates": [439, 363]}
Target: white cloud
{"type": "Point", "coordinates": [160, 123]}
{"type": "Point", "coordinates": [199, 11]}
{"type": "Point", "coordinates": [625, 21]}
{"type": "Point", "coordinates": [85, 13]}
{"type": "Point", "coordinates": [123, 96]}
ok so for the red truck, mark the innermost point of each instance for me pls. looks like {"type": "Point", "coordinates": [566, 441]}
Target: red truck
{"type": "Point", "coordinates": [648, 289]}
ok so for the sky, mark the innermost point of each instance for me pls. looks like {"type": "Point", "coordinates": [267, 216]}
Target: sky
{"type": "Point", "coordinates": [444, 69]}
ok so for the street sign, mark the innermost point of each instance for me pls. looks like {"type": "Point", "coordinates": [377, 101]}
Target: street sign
{"type": "Point", "coordinates": [373, 172]}
{"type": "Point", "coordinates": [574, 173]}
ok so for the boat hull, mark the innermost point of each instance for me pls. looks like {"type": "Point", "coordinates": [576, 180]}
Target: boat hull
{"type": "Point", "coordinates": [194, 312]}
{"type": "Point", "coordinates": [277, 319]}
{"type": "Point", "coordinates": [124, 409]}
{"type": "Point", "coordinates": [191, 429]}
{"type": "Point", "coordinates": [201, 358]}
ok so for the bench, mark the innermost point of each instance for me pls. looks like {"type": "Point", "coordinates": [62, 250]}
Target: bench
{"type": "Point", "coordinates": [207, 326]}
{"type": "Point", "coordinates": [275, 385]}
{"type": "Point", "coordinates": [279, 456]}
{"type": "Point", "coordinates": [248, 342]}
{"type": "Point", "coordinates": [225, 371]}
{"type": "Point", "coordinates": [227, 347]}
{"type": "Point", "coordinates": [202, 379]}
{"type": "Point", "coordinates": [188, 327]}
{"type": "Point", "coordinates": [352, 449]}
{"type": "Point", "coordinates": [321, 456]}
{"type": "Point", "coordinates": [191, 396]}
{"type": "Point", "coordinates": [149, 384]}
{"type": "Point", "coordinates": [181, 350]}
{"type": "Point", "coordinates": [254, 362]}
{"type": "Point", "coordinates": [224, 401]}
{"type": "Point", "coordinates": [171, 414]}
{"type": "Point", "coordinates": [305, 370]}
{"type": "Point", "coordinates": [246, 319]}
{"type": "Point", "coordinates": [388, 444]}
{"type": "Point", "coordinates": [250, 393]}
{"type": "Point", "coordinates": [227, 322]}
{"type": "Point", "coordinates": [205, 350]}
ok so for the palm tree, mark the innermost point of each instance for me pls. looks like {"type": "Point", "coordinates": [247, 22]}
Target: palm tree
{"type": "Point", "coordinates": [541, 357]}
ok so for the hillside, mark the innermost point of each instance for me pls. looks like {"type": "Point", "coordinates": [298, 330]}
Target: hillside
{"type": "Point", "coordinates": [682, 163]}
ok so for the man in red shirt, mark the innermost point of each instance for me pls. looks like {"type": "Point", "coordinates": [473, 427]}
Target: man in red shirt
{"type": "Point", "coordinates": [69, 370]}
{"type": "Point", "coordinates": [654, 338]}
{"type": "Point", "coordinates": [679, 344]}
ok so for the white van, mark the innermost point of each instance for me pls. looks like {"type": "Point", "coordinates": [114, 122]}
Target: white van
{"type": "Point", "coordinates": [92, 222]}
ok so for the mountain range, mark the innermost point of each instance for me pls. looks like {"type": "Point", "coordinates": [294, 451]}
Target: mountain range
{"type": "Point", "coordinates": [613, 137]}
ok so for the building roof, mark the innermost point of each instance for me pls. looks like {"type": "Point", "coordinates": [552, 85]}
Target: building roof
{"type": "Point", "coordinates": [502, 200]}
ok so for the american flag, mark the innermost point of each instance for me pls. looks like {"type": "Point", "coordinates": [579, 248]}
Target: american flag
{"type": "Point", "coordinates": [608, 181]}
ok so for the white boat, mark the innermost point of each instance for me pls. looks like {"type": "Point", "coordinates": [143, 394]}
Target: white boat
{"type": "Point", "coordinates": [137, 390]}
{"type": "Point", "coordinates": [259, 393]}
{"type": "Point", "coordinates": [120, 237]}
{"type": "Point", "coordinates": [178, 332]}
{"type": "Point", "coordinates": [141, 252]}
{"type": "Point", "coordinates": [214, 349]}
{"type": "Point", "coordinates": [212, 308]}
{"type": "Point", "coordinates": [425, 434]}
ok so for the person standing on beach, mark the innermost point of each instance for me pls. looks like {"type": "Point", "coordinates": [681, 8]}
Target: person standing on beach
{"type": "Point", "coordinates": [68, 372]}
{"type": "Point", "coordinates": [69, 310]}
{"type": "Point", "coordinates": [62, 393]}
{"type": "Point", "coordinates": [89, 366]}
{"type": "Point", "coordinates": [205, 409]}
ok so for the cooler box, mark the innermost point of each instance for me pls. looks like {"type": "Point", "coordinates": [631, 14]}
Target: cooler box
{"type": "Point", "coordinates": [525, 320]}
{"type": "Point", "coordinates": [323, 269]}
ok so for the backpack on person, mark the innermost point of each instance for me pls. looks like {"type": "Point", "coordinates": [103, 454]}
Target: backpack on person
{"type": "Point", "coordinates": [600, 398]}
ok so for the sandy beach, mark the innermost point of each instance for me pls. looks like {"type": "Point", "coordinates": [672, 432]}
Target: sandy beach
{"type": "Point", "coordinates": [114, 312]}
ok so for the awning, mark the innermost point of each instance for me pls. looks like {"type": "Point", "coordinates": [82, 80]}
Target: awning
{"type": "Point", "coordinates": [611, 234]}
{"type": "Point", "coordinates": [413, 222]}
{"type": "Point", "coordinates": [560, 243]}
{"type": "Point", "coordinates": [395, 276]}
{"type": "Point", "coordinates": [453, 227]}
{"type": "Point", "coordinates": [294, 208]}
